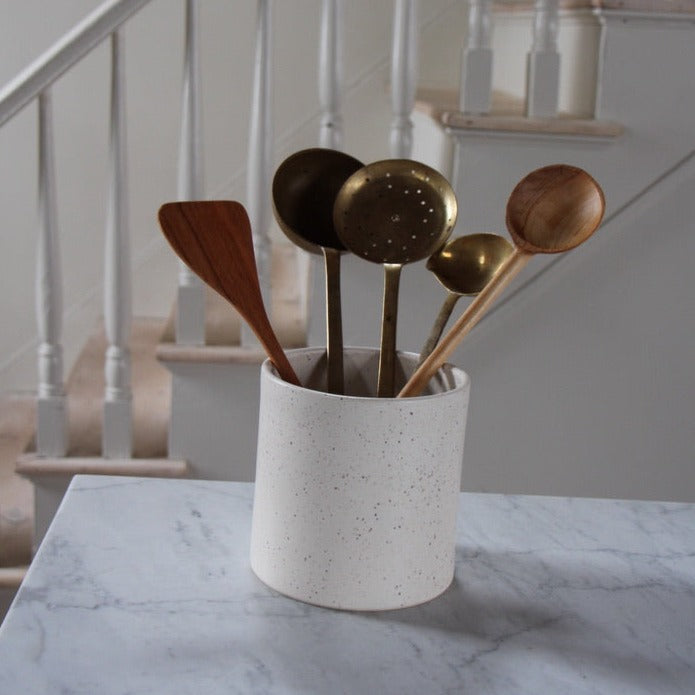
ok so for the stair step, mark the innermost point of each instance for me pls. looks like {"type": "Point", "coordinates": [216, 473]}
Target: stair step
{"type": "Point", "coordinates": [31, 465]}
{"type": "Point", "coordinates": [223, 323]}
{"type": "Point", "coordinates": [17, 417]}
{"type": "Point", "coordinates": [507, 116]}
{"type": "Point", "coordinates": [151, 394]}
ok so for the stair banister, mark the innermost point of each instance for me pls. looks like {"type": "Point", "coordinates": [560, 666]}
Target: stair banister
{"type": "Point", "coordinates": [331, 75]}
{"type": "Point", "coordinates": [475, 94]}
{"type": "Point", "coordinates": [51, 415]}
{"type": "Point", "coordinates": [190, 304]}
{"type": "Point", "coordinates": [543, 62]}
{"type": "Point", "coordinates": [76, 44]}
{"type": "Point", "coordinates": [404, 73]}
{"type": "Point", "coordinates": [117, 421]}
{"type": "Point", "coordinates": [259, 155]}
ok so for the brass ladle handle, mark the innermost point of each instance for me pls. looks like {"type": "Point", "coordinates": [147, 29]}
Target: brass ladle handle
{"type": "Point", "coordinates": [389, 319]}
{"type": "Point", "coordinates": [334, 322]}
{"type": "Point", "coordinates": [474, 312]}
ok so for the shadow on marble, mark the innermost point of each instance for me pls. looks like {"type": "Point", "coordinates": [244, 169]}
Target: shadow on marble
{"type": "Point", "coordinates": [561, 609]}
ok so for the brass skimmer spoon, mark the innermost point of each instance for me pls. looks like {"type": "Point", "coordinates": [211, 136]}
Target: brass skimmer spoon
{"type": "Point", "coordinates": [304, 189]}
{"type": "Point", "coordinates": [463, 266]}
{"type": "Point", "coordinates": [394, 212]}
{"type": "Point", "coordinates": [213, 238]}
{"type": "Point", "coordinates": [551, 210]}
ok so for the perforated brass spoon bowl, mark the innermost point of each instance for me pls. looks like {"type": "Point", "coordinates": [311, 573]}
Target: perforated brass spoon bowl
{"type": "Point", "coordinates": [463, 266]}
{"type": "Point", "coordinates": [393, 212]}
{"type": "Point", "coordinates": [551, 210]}
{"type": "Point", "coordinates": [305, 186]}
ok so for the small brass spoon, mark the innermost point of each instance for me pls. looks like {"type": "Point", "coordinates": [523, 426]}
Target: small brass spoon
{"type": "Point", "coordinates": [551, 210]}
{"type": "Point", "coordinates": [304, 189]}
{"type": "Point", "coordinates": [394, 212]}
{"type": "Point", "coordinates": [463, 266]}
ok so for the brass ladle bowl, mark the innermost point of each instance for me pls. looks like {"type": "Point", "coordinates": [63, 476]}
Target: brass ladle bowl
{"type": "Point", "coordinates": [463, 266]}
{"type": "Point", "coordinates": [551, 210]}
{"type": "Point", "coordinates": [304, 189]}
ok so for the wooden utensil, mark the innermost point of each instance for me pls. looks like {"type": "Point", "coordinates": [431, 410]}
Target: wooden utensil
{"type": "Point", "coordinates": [551, 210]}
{"type": "Point", "coordinates": [463, 266]}
{"type": "Point", "coordinates": [213, 238]}
{"type": "Point", "coordinates": [305, 186]}
{"type": "Point", "coordinates": [394, 212]}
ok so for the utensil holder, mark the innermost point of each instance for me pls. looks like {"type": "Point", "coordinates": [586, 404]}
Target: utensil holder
{"type": "Point", "coordinates": [356, 496]}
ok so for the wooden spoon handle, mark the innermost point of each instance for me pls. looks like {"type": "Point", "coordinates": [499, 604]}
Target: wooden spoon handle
{"type": "Point", "coordinates": [474, 312]}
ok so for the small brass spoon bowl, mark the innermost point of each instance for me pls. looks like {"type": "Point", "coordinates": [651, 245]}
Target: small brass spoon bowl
{"type": "Point", "coordinates": [464, 266]}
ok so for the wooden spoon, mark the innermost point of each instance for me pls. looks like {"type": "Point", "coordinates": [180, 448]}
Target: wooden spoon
{"type": "Point", "coordinates": [213, 238]}
{"type": "Point", "coordinates": [394, 212]}
{"type": "Point", "coordinates": [551, 210]}
{"type": "Point", "coordinates": [304, 189]}
{"type": "Point", "coordinates": [463, 266]}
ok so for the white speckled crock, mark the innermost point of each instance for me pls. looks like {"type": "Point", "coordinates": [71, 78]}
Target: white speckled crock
{"type": "Point", "coordinates": [356, 497]}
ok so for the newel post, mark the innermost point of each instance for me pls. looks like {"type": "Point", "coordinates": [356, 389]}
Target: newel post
{"type": "Point", "coordinates": [259, 156]}
{"type": "Point", "coordinates": [190, 303]}
{"type": "Point", "coordinates": [404, 73]}
{"type": "Point", "coordinates": [331, 75]}
{"type": "Point", "coordinates": [51, 430]}
{"type": "Point", "coordinates": [476, 70]}
{"type": "Point", "coordinates": [118, 425]}
{"type": "Point", "coordinates": [543, 62]}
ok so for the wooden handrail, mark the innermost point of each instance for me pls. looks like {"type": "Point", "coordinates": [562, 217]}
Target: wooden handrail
{"type": "Point", "coordinates": [77, 43]}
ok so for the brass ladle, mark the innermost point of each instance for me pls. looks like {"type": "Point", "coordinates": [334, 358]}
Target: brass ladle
{"type": "Point", "coordinates": [463, 266]}
{"type": "Point", "coordinates": [304, 189]}
{"type": "Point", "coordinates": [551, 210]}
{"type": "Point", "coordinates": [393, 212]}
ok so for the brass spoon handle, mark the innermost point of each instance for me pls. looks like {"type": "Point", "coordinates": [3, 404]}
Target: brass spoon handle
{"type": "Point", "coordinates": [389, 318]}
{"type": "Point", "coordinates": [334, 321]}
{"type": "Point", "coordinates": [474, 312]}
{"type": "Point", "coordinates": [438, 326]}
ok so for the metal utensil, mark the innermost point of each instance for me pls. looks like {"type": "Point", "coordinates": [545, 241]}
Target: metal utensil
{"type": "Point", "coordinates": [213, 238]}
{"type": "Point", "coordinates": [304, 189]}
{"type": "Point", "coordinates": [551, 210]}
{"type": "Point", "coordinates": [393, 212]}
{"type": "Point", "coordinates": [463, 266]}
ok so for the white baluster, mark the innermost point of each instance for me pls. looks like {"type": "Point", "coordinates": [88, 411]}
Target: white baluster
{"type": "Point", "coordinates": [404, 71]}
{"type": "Point", "coordinates": [51, 431]}
{"type": "Point", "coordinates": [543, 62]}
{"type": "Point", "coordinates": [331, 75]}
{"type": "Point", "coordinates": [190, 304]}
{"type": "Point", "coordinates": [259, 156]}
{"type": "Point", "coordinates": [117, 432]}
{"type": "Point", "coordinates": [476, 71]}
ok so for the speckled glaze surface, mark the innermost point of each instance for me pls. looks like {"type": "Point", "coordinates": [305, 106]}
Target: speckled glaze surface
{"type": "Point", "coordinates": [355, 497]}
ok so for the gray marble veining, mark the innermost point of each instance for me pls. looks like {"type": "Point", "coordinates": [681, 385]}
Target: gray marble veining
{"type": "Point", "coordinates": [143, 586]}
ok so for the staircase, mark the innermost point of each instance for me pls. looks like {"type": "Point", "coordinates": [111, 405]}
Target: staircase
{"type": "Point", "coordinates": [177, 393]}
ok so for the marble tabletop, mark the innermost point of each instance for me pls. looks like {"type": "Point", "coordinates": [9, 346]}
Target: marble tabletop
{"type": "Point", "coordinates": [144, 586]}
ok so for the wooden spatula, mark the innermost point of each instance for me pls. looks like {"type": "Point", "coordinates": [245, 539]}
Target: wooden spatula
{"type": "Point", "coordinates": [213, 238]}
